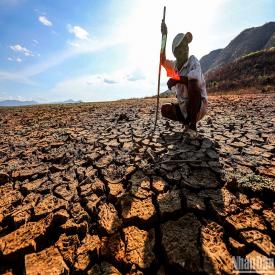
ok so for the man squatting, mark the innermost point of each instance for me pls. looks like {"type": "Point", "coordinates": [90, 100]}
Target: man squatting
{"type": "Point", "coordinates": [187, 81]}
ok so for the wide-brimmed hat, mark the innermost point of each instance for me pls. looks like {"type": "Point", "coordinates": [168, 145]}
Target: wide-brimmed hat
{"type": "Point", "coordinates": [179, 37]}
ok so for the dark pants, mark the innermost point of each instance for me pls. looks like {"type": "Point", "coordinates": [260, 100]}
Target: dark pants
{"type": "Point", "coordinates": [172, 111]}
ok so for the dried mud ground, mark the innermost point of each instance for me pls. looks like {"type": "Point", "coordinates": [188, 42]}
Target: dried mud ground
{"type": "Point", "coordinates": [89, 189]}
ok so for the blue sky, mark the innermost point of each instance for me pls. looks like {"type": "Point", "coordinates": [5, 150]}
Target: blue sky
{"type": "Point", "coordinates": [105, 50]}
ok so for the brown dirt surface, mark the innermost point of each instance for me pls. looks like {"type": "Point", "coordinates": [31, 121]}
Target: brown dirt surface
{"type": "Point", "coordinates": [89, 188]}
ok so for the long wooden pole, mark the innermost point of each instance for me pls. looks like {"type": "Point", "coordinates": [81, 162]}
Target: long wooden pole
{"type": "Point", "coordinates": [163, 44]}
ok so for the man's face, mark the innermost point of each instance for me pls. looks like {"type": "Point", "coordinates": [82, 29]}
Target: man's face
{"type": "Point", "coordinates": [181, 52]}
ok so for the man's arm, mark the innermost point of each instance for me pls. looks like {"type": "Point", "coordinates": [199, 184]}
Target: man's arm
{"type": "Point", "coordinates": [163, 52]}
{"type": "Point", "coordinates": [167, 64]}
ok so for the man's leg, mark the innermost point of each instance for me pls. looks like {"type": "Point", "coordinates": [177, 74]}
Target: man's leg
{"type": "Point", "coordinates": [203, 109]}
{"type": "Point", "coordinates": [194, 103]}
{"type": "Point", "coordinates": [173, 112]}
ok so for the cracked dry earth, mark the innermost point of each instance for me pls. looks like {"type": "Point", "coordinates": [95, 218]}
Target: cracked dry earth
{"type": "Point", "coordinates": [89, 189]}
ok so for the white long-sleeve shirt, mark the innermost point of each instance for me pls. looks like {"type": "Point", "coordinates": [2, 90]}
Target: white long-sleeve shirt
{"type": "Point", "coordinates": [192, 70]}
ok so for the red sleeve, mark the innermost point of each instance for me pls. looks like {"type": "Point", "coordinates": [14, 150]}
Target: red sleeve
{"type": "Point", "coordinates": [169, 66]}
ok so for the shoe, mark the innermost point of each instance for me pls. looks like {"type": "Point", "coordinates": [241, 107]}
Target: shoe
{"type": "Point", "coordinates": [192, 134]}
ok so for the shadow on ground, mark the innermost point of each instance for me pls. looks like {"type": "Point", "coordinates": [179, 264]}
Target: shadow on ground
{"type": "Point", "coordinates": [169, 213]}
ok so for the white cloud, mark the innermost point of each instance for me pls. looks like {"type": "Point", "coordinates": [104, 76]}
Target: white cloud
{"type": "Point", "coordinates": [15, 77]}
{"type": "Point", "coordinates": [19, 48]}
{"type": "Point", "coordinates": [45, 21]}
{"type": "Point", "coordinates": [78, 32]}
{"type": "Point", "coordinates": [119, 76]}
{"type": "Point", "coordinates": [35, 42]}
{"type": "Point", "coordinates": [136, 75]}
{"type": "Point", "coordinates": [39, 11]}
{"type": "Point", "coordinates": [110, 81]}
{"type": "Point", "coordinates": [73, 44]}
{"type": "Point", "coordinates": [17, 59]}
{"type": "Point", "coordinates": [102, 87]}
{"type": "Point", "coordinates": [84, 47]}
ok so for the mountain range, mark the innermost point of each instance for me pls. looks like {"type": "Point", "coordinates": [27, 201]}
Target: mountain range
{"type": "Point", "coordinates": [250, 40]}
{"type": "Point", "coordinates": [11, 103]}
